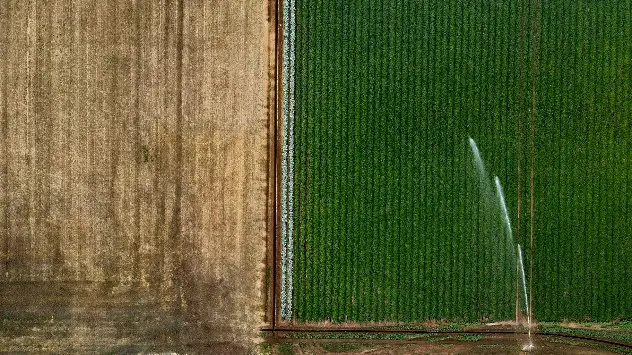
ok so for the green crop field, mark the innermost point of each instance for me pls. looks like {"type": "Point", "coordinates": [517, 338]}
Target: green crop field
{"type": "Point", "coordinates": [388, 218]}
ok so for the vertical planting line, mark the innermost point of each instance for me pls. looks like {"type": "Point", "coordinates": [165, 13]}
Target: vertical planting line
{"type": "Point", "coordinates": [313, 163]}
{"type": "Point", "coordinates": [284, 165]}
{"type": "Point", "coordinates": [456, 178]}
{"type": "Point", "coordinates": [299, 177]}
{"type": "Point", "coordinates": [490, 31]}
{"type": "Point", "coordinates": [604, 201]}
{"type": "Point", "coordinates": [608, 302]}
{"type": "Point", "coordinates": [625, 293]}
{"type": "Point", "coordinates": [563, 267]}
{"type": "Point", "coordinates": [469, 210]}
{"type": "Point", "coordinates": [325, 177]}
{"type": "Point", "coordinates": [338, 208]}
{"type": "Point", "coordinates": [589, 62]}
{"type": "Point", "coordinates": [292, 104]}
{"type": "Point", "coordinates": [425, 219]}
{"type": "Point", "coordinates": [463, 126]}
{"type": "Point", "coordinates": [597, 200]}
{"type": "Point", "coordinates": [395, 156]}
{"type": "Point", "coordinates": [605, 188]}
{"type": "Point", "coordinates": [389, 185]}
{"type": "Point", "coordinates": [313, 137]}
{"type": "Point", "coordinates": [401, 162]}
{"type": "Point", "coordinates": [551, 138]}
{"type": "Point", "coordinates": [626, 93]}
{"type": "Point", "coordinates": [560, 110]}
{"type": "Point", "coordinates": [418, 154]}
{"type": "Point", "coordinates": [440, 52]}
{"type": "Point", "coordinates": [378, 173]}
{"type": "Point", "coordinates": [300, 302]}
{"type": "Point", "coordinates": [450, 66]}
{"type": "Point", "coordinates": [420, 193]}
{"type": "Point", "coordinates": [361, 162]}
{"type": "Point", "coordinates": [615, 157]}
{"type": "Point", "coordinates": [577, 109]}
{"type": "Point", "coordinates": [287, 167]}
{"type": "Point", "coordinates": [612, 186]}
{"type": "Point", "coordinates": [405, 226]}
{"type": "Point", "coordinates": [405, 311]}
{"type": "Point", "coordinates": [504, 119]}
{"type": "Point", "coordinates": [507, 124]}
{"type": "Point", "coordinates": [343, 192]}
{"type": "Point", "coordinates": [409, 71]}
{"type": "Point", "coordinates": [349, 275]}
{"type": "Point", "coordinates": [589, 246]}
{"type": "Point", "coordinates": [357, 97]}
{"type": "Point", "coordinates": [401, 213]}
{"type": "Point", "coordinates": [571, 108]}
{"type": "Point", "coordinates": [430, 141]}
{"type": "Point", "coordinates": [593, 141]}
{"type": "Point", "coordinates": [329, 80]}
{"type": "Point", "coordinates": [485, 277]}
{"type": "Point", "coordinates": [428, 266]}
{"type": "Point", "coordinates": [303, 218]}
{"type": "Point", "coordinates": [533, 120]}
{"type": "Point", "coordinates": [550, 270]}
{"type": "Point", "coordinates": [435, 269]}
{"type": "Point", "coordinates": [373, 223]}
{"type": "Point", "coordinates": [320, 178]}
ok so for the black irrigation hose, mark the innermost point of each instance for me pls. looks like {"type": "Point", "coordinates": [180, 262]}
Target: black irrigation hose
{"type": "Point", "coordinates": [421, 331]}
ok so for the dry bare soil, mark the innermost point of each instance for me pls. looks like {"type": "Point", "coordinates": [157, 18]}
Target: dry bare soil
{"type": "Point", "coordinates": [133, 174]}
{"type": "Point", "coordinates": [445, 344]}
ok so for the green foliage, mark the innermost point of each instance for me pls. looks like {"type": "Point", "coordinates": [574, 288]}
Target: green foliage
{"type": "Point", "coordinates": [458, 325]}
{"type": "Point", "coordinates": [389, 219]}
{"type": "Point", "coordinates": [343, 335]}
{"type": "Point", "coordinates": [624, 325]}
{"type": "Point", "coordinates": [265, 349]}
{"type": "Point", "coordinates": [285, 349]}
{"type": "Point", "coordinates": [470, 337]}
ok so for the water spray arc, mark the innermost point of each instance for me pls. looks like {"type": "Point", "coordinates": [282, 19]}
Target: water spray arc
{"type": "Point", "coordinates": [524, 281]}
{"type": "Point", "coordinates": [515, 247]}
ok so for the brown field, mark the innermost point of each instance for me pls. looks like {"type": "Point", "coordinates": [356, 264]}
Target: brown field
{"type": "Point", "coordinates": [490, 344]}
{"type": "Point", "coordinates": [133, 174]}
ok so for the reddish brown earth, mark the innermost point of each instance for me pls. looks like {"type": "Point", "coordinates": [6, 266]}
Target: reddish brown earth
{"type": "Point", "coordinates": [445, 344]}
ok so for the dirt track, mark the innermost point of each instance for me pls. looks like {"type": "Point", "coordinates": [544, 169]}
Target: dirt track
{"type": "Point", "coordinates": [448, 343]}
{"type": "Point", "coordinates": [487, 345]}
{"type": "Point", "coordinates": [133, 174]}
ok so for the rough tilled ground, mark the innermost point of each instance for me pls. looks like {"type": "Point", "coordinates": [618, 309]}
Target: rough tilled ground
{"type": "Point", "coordinates": [133, 174]}
{"type": "Point", "coordinates": [488, 344]}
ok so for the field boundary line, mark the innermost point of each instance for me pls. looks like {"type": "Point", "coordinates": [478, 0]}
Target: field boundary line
{"type": "Point", "coordinates": [270, 275]}
{"type": "Point", "coordinates": [359, 330]}
{"type": "Point", "coordinates": [287, 163]}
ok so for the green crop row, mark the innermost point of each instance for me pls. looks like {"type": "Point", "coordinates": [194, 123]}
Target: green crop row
{"type": "Point", "coordinates": [390, 223]}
